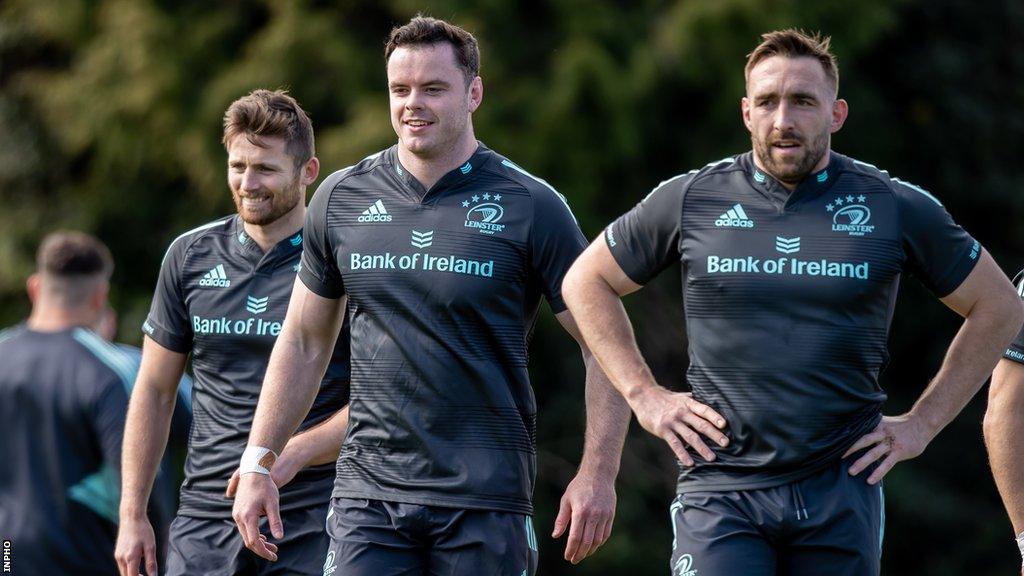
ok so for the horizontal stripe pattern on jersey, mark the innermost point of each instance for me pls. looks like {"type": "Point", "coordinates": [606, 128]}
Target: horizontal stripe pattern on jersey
{"type": "Point", "coordinates": [444, 287]}
{"type": "Point", "coordinates": [222, 299]}
{"type": "Point", "coordinates": [788, 298]}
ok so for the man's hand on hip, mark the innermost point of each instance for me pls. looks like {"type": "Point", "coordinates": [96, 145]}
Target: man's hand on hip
{"type": "Point", "coordinates": [680, 421]}
{"type": "Point", "coordinates": [896, 438]}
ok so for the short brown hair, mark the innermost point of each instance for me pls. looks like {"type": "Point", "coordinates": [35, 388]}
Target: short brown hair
{"type": "Point", "coordinates": [274, 114]}
{"type": "Point", "coordinates": [67, 253]}
{"type": "Point", "coordinates": [426, 31]}
{"type": "Point", "coordinates": [793, 43]}
{"type": "Point", "coordinates": [73, 265]}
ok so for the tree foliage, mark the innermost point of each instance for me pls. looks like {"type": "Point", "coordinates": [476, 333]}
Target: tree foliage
{"type": "Point", "coordinates": [110, 112]}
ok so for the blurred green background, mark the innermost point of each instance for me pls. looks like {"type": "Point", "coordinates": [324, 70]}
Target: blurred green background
{"type": "Point", "coordinates": [110, 120]}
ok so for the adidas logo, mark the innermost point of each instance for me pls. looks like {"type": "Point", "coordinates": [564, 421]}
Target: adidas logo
{"type": "Point", "coordinates": [735, 217]}
{"type": "Point", "coordinates": [375, 213]}
{"type": "Point", "coordinates": [215, 278]}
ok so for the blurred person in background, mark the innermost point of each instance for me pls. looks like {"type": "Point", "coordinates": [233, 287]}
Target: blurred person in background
{"type": "Point", "coordinates": [442, 249]}
{"type": "Point", "coordinates": [220, 297]}
{"type": "Point", "coordinates": [791, 257]}
{"type": "Point", "coordinates": [63, 397]}
{"type": "Point", "coordinates": [1004, 429]}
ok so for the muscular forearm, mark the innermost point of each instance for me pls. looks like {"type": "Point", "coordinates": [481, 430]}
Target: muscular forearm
{"type": "Point", "coordinates": [604, 324]}
{"type": "Point", "coordinates": [1004, 431]}
{"type": "Point", "coordinates": [145, 437]}
{"type": "Point", "coordinates": [986, 331]}
{"type": "Point", "coordinates": [321, 443]}
{"type": "Point", "coordinates": [591, 290]}
{"type": "Point", "coordinates": [608, 417]}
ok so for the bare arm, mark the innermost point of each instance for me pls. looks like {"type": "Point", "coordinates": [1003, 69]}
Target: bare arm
{"type": "Point", "coordinates": [588, 506]}
{"type": "Point", "coordinates": [992, 316]}
{"type": "Point", "coordinates": [145, 438]}
{"type": "Point", "coordinates": [1004, 429]}
{"type": "Point", "coordinates": [320, 444]}
{"type": "Point", "coordinates": [591, 290]}
{"type": "Point", "coordinates": [607, 413]}
{"type": "Point", "coordinates": [297, 364]}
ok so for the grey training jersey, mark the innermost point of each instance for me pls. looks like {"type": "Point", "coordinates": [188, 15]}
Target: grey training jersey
{"type": "Point", "coordinates": [63, 398]}
{"type": "Point", "coordinates": [443, 286]}
{"type": "Point", "coordinates": [1015, 351]}
{"type": "Point", "coordinates": [222, 299]}
{"type": "Point", "coordinates": [788, 299]}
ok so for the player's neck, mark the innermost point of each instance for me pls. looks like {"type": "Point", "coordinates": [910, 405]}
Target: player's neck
{"type": "Point", "coordinates": [267, 236]}
{"type": "Point", "coordinates": [51, 318]}
{"type": "Point", "coordinates": [428, 170]}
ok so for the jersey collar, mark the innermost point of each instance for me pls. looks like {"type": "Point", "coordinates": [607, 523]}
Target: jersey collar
{"type": "Point", "coordinates": [466, 172]}
{"type": "Point", "coordinates": [812, 186]}
{"type": "Point", "coordinates": [248, 249]}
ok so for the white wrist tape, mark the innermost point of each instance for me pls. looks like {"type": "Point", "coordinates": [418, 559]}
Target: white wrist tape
{"type": "Point", "coordinates": [257, 459]}
{"type": "Point", "coordinates": [1020, 545]}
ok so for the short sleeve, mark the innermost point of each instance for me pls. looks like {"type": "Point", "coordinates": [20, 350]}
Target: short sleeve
{"type": "Point", "coordinates": [101, 490]}
{"type": "Point", "coordinates": [645, 240]}
{"type": "Point", "coordinates": [319, 271]}
{"type": "Point", "coordinates": [108, 417]}
{"type": "Point", "coordinates": [1015, 351]}
{"type": "Point", "coordinates": [167, 323]}
{"type": "Point", "coordinates": [938, 251]}
{"type": "Point", "coordinates": [555, 243]}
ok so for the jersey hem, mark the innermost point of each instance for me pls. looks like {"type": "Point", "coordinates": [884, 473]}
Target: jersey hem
{"type": "Point", "coordinates": [191, 510]}
{"type": "Point", "coordinates": [443, 502]}
{"type": "Point", "coordinates": [691, 486]}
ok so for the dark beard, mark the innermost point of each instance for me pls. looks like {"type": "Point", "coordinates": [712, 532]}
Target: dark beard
{"type": "Point", "coordinates": [792, 173]}
{"type": "Point", "coordinates": [281, 203]}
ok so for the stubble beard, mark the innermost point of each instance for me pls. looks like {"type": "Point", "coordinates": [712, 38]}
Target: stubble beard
{"type": "Point", "coordinates": [281, 203]}
{"type": "Point", "coordinates": [791, 172]}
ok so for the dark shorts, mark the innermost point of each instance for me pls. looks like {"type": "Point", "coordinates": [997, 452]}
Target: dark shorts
{"type": "Point", "coordinates": [829, 523]}
{"type": "Point", "coordinates": [213, 547]}
{"type": "Point", "coordinates": [377, 538]}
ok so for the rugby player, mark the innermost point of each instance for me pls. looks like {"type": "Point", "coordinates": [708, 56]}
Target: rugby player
{"type": "Point", "coordinates": [791, 255]}
{"type": "Point", "coordinates": [1004, 427]}
{"type": "Point", "coordinates": [63, 397]}
{"type": "Point", "coordinates": [442, 249]}
{"type": "Point", "coordinates": [221, 296]}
